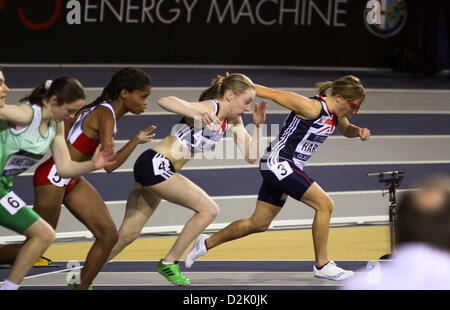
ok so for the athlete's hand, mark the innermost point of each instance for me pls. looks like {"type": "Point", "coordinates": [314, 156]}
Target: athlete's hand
{"type": "Point", "coordinates": [103, 158]}
{"type": "Point", "coordinates": [146, 135]}
{"type": "Point", "coordinates": [259, 113]}
{"type": "Point", "coordinates": [364, 134]}
{"type": "Point", "coordinates": [210, 120]}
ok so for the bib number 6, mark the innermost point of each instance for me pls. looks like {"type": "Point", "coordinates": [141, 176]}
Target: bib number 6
{"type": "Point", "coordinates": [12, 203]}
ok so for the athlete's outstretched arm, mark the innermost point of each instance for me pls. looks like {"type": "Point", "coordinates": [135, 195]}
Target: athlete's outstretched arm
{"type": "Point", "coordinates": [20, 115]}
{"type": "Point", "coordinates": [186, 108]}
{"type": "Point", "coordinates": [67, 168]}
{"type": "Point", "coordinates": [105, 125]}
{"type": "Point", "coordinates": [352, 131]}
{"type": "Point", "coordinates": [301, 105]}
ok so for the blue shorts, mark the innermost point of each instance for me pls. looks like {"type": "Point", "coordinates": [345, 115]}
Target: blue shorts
{"type": "Point", "coordinates": [152, 168]}
{"type": "Point", "coordinates": [294, 183]}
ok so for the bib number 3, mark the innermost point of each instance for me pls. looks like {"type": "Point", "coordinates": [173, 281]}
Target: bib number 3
{"type": "Point", "coordinates": [12, 203]}
{"type": "Point", "coordinates": [281, 170]}
{"type": "Point", "coordinates": [55, 179]}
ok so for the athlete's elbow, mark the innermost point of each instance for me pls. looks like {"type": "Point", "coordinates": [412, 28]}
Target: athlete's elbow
{"type": "Point", "coordinates": [251, 161]}
{"type": "Point", "coordinates": [162, 102]}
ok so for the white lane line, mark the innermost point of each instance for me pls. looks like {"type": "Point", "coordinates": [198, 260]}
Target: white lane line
{"type": "Point", "coordinates": [254, 166]}
{"type": "Point", "coordinates": [49, 273]}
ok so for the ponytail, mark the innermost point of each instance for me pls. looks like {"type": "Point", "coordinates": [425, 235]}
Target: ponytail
{"type": "Point", "coordinates": [348, 86]}
{"type": "Point", "coordinates": [236, 82]}
{"type": "Point", "coordinates": [129, 79]}
{"type": "Point", "coordinates": [66, 90]}
{"type": "Point", "coordinates": [214, 92]}
{"type": "Point", "coordinates": [322, 87]}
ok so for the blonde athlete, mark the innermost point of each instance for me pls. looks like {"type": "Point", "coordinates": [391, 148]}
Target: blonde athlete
{"type": "Point", "coordinates": [308, 125]}
{"type": "Point", "coordinates": [26, 132]}
{"type": "Point", "coordinates": [156, 169]}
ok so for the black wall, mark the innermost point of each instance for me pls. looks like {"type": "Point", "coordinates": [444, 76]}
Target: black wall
{"type": "Point", "coordinates": [325, 32]}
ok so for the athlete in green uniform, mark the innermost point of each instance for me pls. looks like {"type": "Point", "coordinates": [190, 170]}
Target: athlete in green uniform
{"type": "Point", "coordinates": [27, 131]}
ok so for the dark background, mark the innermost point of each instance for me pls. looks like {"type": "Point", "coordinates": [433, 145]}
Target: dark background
{"type": "Point", "coordinates": [420, 47]}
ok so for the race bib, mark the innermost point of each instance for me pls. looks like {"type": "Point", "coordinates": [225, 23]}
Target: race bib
{"type": "Point", "coordinates": [55, 179]}
{"type": "Point", "coordinates": [281, 169]}
{"type": "Point", "coordinates": [160, 165]}
{"type": "Point", "coordinates": [12, 203]}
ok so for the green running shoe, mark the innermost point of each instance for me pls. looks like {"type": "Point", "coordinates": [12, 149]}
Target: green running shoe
{"type": "Point", "coordinates": [71, 285]}
{"type": "Point", "coordinates": [172, 273]}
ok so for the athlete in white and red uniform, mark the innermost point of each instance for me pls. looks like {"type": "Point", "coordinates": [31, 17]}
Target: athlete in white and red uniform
{"type": "Point", "coordinates": [47, 174]}
{"type": "Point", "coordinates": [310, 122]}
{"type": "Point", "coordinates": [94, 124]}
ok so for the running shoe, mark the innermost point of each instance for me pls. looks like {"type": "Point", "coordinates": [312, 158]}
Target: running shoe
{"type": "Point", "coordinates": [198, 249]}
{"type": "Point", "coordinates": [71, 285]}
{"type": "Point", "coordinates": [332, 272]}
{"type": "Point", "coordinates": [172, 273]}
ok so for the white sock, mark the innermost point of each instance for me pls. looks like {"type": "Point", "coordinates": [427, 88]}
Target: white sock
{"type": "Point", "coordinates": [166, 263]}
{"type": "Point", "coordinates": [9, 286]}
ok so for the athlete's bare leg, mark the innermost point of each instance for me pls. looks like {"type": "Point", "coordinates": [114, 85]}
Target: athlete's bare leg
{"type": "Point", "coordinates": [88, 207]}
{"type": "Point", "coordinates": [40, 236]}
{"type": "Point", "coordinates": [47, 203]}
{"type": "Point", "coordinates": [191, 196]}
{"type": "Point", "coordinates": [140, 207]}
{"type": "Point", "coordinates": [318, 199]}
{"type": "Point", "coordinates": [259, 221]}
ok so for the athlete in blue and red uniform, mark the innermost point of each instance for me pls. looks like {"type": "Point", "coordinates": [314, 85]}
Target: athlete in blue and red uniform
{"type": "Point", "coordinates": [156, 170]}
{"type": "Point", "coordinates": [94, 124]}
{"type": "Point", "coordinates": [310, 122]}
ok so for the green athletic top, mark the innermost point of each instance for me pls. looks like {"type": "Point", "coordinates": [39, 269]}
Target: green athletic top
{"type": "Point", "coordinates": [21, 149]}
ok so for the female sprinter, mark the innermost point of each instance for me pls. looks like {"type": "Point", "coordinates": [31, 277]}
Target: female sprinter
{"type": "Point", "coordinates": [93, 124]}
{"type": "Point", "coordinates": [311, 121]}
{"type": "Point", "coordinates": [156, 169]}
{"type": "Point", "coordinates": [26, 132]}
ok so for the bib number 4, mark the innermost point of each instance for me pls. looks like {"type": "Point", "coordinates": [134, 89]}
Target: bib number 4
{"type": "Point", "coordinates": [160, 165]}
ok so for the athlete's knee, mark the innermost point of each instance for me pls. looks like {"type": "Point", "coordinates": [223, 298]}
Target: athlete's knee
{"type": "Point", "coordinates": [259, 226]}
{"type": "Point", "coordinates": [41, 231]}
{"type": "Point", "coordinates": [50, 235]}
{"type": "Point", "coordinates": [211, 210]}
{"type": "Point", "coordinates": [108, 237]}
{"type": "Point", "coordinates": [326, 204]}
{"type": "Point", "coordinates": [128, 237]}
{"type": "Point", "coordinates": [47, 235]}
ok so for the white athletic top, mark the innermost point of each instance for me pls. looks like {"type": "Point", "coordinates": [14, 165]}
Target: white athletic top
{"type": "Point", "coordinates": [79, 140]}
{"type": "Point", "coordinates": [199, 140]}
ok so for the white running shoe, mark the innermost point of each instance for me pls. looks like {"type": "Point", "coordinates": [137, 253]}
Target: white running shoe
{"type": "Point", "coordinates": [197, 250]}
{"type": "Point", "coordinates": [332, 272]}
